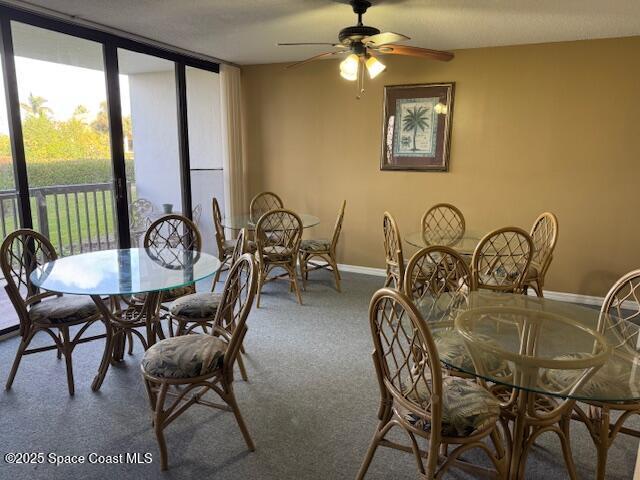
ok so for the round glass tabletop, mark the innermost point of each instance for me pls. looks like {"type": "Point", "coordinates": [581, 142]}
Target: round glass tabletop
{"type": "Point", "coordinates": [125, 271]}
{"type": "Point", "coordinates": [546, 346]}
{"type": "Point", "coordinates": [238, 222]}
{"type": "Point", "coordinates": [466, 244]}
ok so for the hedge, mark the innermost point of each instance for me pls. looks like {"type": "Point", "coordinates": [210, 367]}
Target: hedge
{"type": "Point", "coordinates": [64, 172]}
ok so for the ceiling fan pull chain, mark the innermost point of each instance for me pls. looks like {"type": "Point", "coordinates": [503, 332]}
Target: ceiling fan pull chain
{"type": "Point", "coordinates": [360, 82]}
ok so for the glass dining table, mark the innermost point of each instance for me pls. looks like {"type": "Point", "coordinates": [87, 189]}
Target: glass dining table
{"type": "Point", "coordinates": [238, 222]}
{"type": "Point", "coordinates": [538, 357]}
{"type": "Point", "coordinates": [119, 275]}
{"type": "Point", "coordinates": [464, 244]}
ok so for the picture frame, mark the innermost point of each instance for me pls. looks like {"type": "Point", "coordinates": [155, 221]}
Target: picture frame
{"type": "Point", "coordinates": [416, 127]}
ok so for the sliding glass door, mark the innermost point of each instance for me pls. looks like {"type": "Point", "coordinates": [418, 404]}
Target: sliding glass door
{"type": "Point", "coordinates": [150, 130]}
{"type": "Point", "coordinates": [63, 103]}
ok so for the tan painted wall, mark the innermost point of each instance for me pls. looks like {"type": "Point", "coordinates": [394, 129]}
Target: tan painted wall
{"type": "Point", "coordinates": [540, 127]}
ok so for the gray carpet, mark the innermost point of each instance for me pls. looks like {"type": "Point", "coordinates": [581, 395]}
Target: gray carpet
{"type": "Point", "coordinates": [310, 405]}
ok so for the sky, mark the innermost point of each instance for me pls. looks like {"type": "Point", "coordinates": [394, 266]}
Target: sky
{"type": "Point", "coordinates": [63, 86]}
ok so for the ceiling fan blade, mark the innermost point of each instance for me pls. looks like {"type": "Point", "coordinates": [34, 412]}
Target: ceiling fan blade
{"type": "Point", "coordinates": [384, 38]}
{"type": "Point", "coordinates": [416, 52]}
{"type": "Point", "coordinates": [303, 43]}
{"type": "Point", "coordinates": [311, 59]}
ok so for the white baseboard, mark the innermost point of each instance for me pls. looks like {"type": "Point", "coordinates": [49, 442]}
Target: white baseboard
{"type": "Point", "coordinates": [560, 296]}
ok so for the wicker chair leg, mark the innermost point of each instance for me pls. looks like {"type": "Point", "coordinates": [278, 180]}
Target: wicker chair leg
{"type": "Point", "coordinates": [302, 261]}
{"type": "Point", "coordinates": [130, 340]}
{"type": "Point", "coordinates": [565, 440]}
{"type": "Point", "coordinates": [67, 347]}
{"type": "Point", "coordinates": [383, 427]}
{"type": "Point", "coordinates": [334, 267]}
{"type": "Point", "coordinates": [59, 352]}
{"type": "Point", "coordinates": [216, 278]}
{"type": "Point", "coordinates": [294, 282]}
{"type": "Point", "coordinates": [388, 280]}
{"type": "Point", "coordinates": [158, 419]}
{"type": "Point", "coordinates": [243, 371]}
{"type": "Point", "coordinates": [16, 362]}
{"type": "Point", "coordinates": [231, 401]}
{"type": "Point", "coordinates": [261, 279]}
{"type": "Point", "coordinates": [602, 445]}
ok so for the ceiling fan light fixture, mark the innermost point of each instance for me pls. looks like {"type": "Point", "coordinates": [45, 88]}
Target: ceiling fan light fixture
{"type": "Point", "coordinates": [349, 68]}
{"type": "Point", "coordinates": [375, 67]}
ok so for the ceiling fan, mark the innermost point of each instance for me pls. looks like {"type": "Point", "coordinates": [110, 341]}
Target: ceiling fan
{"type": "Point", "coordinates": [362, 43]}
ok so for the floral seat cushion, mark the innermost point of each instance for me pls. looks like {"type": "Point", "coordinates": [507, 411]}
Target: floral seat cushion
{"type": "Point", "coordinates": [277, 253]}
{"type": "Point", "coordinates": [610, 381]}
{"type": "Point", "coordinates": [453, 352]}
{"type": "Point", "coordinates": [466, 407]}
{"type": "Point", "coordinates": [230, 245]}
{"type": "Point", "coordinates": [186, 356]}
{"type": "Point", "coordinates": [196, 305]}
{"type": "Point", "coordinates": [314, 245]}
{"type": "Point", "coordinates": [167, 295]}
{"type": "Point", "coordinates": [65, 309]}
{"type": "Point", "coordinates": [532, 273]}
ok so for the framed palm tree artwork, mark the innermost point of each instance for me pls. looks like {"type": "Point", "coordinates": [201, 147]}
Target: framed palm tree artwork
{"type": "Point", "coordinates": [416, 132]}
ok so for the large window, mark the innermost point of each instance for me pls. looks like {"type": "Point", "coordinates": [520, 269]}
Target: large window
{"type": "Point", "coordinates": [205, 149]}
{"type": "Point", "coordinates": [100, 123]}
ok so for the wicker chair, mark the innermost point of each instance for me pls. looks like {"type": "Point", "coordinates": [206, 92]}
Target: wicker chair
{"type": "Point", "coordinates": [622, 304]}
{"type": "Point", "coordinates": [436, 274]}
{"type": "Point", "coordinates": [394, 259]}
{"type": "Point", "coordinates": [188, 367]}
{"type": "Point", "coordinates": [545, 236]}
{"type": "Point", "coordinates": [173, 231]}
{"type": "Point", "coordinates": [278, 236]}
{"type": "Point", "coordinates": [196, 214]}
{"type": "Point", "coordinates": [262, 203]}
{"type": "Point", "coordinates": [416, 396]}
{"type": "Point", "coordinates": [324, 249]}
{"type": "Point", "coordinates": [21, 253]}
{"type": "Point", "coordinates": [501, 260]}
{"type": "Point", "coordinates": [139, 221]}
{"type": "Point", "coordinates": [442, 224]}
{"type": "Point", "coordinates": [225, 247]}
{"type": "Point", "coordinates": [199, 309]}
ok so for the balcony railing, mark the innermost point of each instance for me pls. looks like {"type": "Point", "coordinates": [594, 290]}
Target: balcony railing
{"type": "Point", "coordinates": [76, 218]}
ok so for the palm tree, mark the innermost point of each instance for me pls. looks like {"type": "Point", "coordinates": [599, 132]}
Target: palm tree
{"type": "Point", "coordinates": [35, 106]}
{"type": "Point", "coordinates": [415, 119]}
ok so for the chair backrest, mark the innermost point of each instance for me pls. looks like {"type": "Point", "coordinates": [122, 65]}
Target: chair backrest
{"type": "Point", "coordinates": [139, 211]}
{"type": "Point", "coordinates": [263, 203]}
{"type": "Point", "coordinates": [338, 227]}
{"type": "Point", "coordinates": [443, 224]}
{"type": "Point", "coordinates": [621, 306]}
{"type": "Point", "coordinates": [406, 358]}
{"type": "Point", "coordinates": [501, 260]}
{"type": "Point", "coordinates": [279, 231]}
{"type": "Point", "coordinates": [235, 304]}
{"type": "Point", "coordinates": [21, 253]}
{"type": "Point", "coordinates": [196, 213]}
{"type": "Point", "coordinates": [434, 274]}
{"type": "Point", "coordinates": [393, 256]}
{"type": "Point", "coordinates": [173, 231]}
{"type": "Point", "coordinates": [219, 228]}
{"type": "Point", "coordinates": [545, 235]}
{"type": "Point", "coordinates": [241, 246]}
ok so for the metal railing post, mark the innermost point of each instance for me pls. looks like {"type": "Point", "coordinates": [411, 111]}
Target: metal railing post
{"type": "Point", "coordinates": [43, 219]}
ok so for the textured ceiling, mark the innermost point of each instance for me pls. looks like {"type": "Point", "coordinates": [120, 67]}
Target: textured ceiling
{"type": "Point", "coordinates": [246, 31]}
